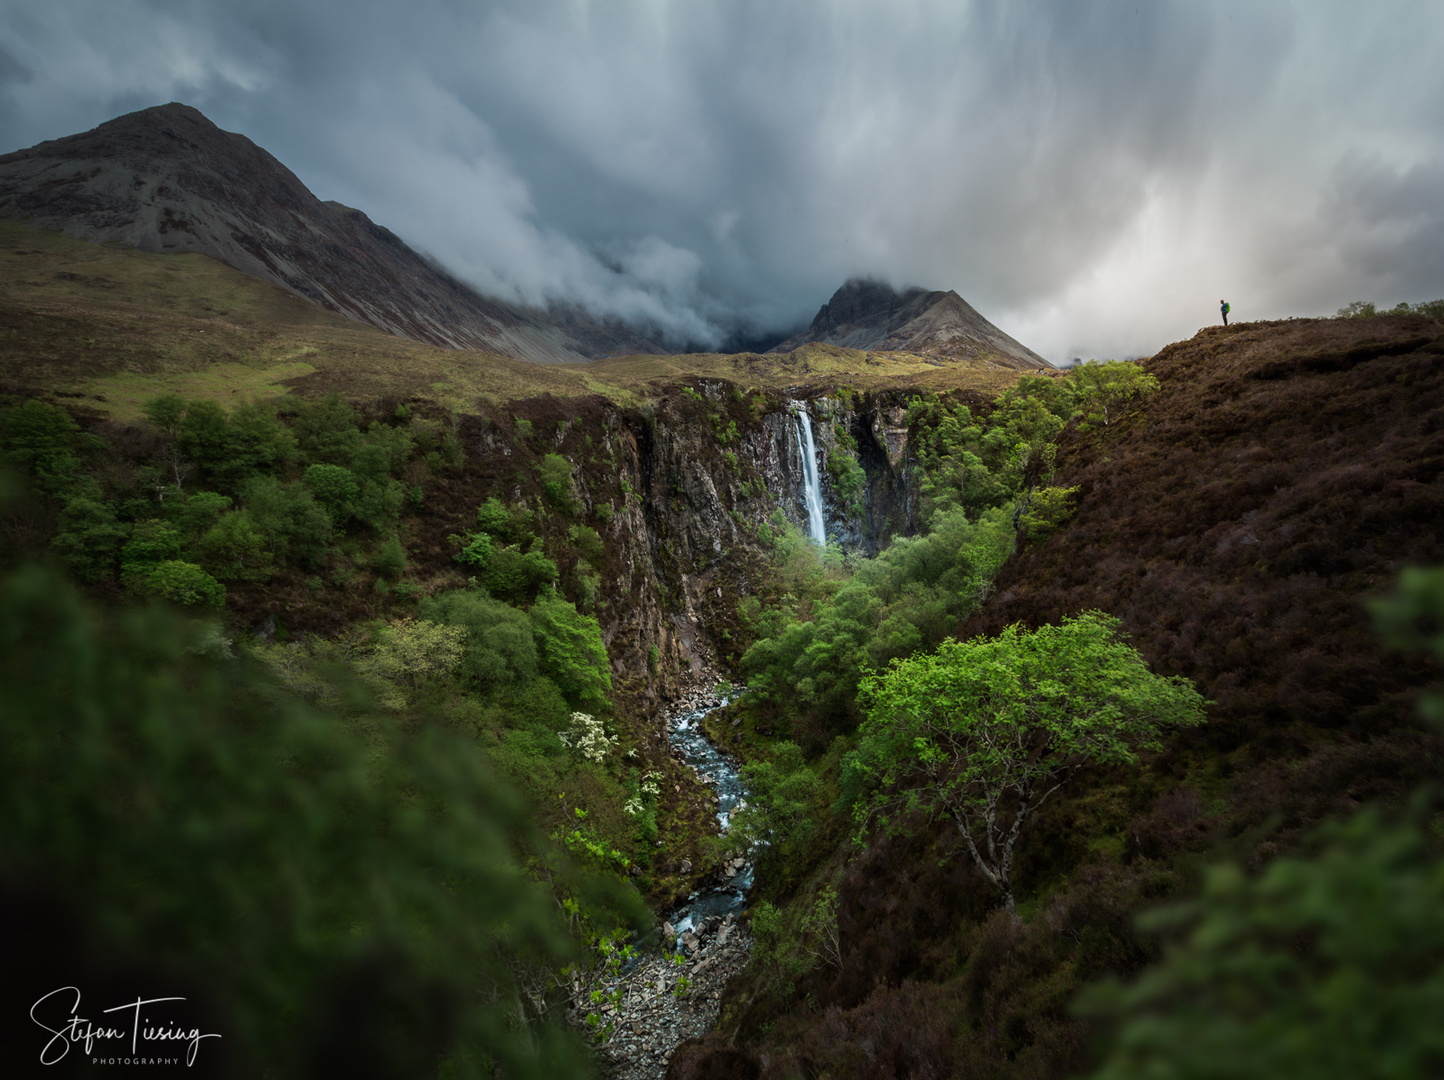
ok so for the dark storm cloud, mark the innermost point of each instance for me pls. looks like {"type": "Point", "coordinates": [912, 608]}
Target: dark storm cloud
{"type": "Point", "coordinates": [1092, 176]}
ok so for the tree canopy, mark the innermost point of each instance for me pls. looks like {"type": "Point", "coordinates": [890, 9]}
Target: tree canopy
{"type": "Point", "coordinates": [984, 731]}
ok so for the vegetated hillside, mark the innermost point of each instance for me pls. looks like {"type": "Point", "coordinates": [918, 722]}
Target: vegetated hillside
{"type": "Point", "coordinates": [107, 328]}
{"type": "Point", "coordinates": [1286, 472]}
{"type": "Point", "coordinates": [166, 179]}
{"type": "Point", "coordinates": [1237, 522]}
{"type": "Point", "coordinates": [872, 315]}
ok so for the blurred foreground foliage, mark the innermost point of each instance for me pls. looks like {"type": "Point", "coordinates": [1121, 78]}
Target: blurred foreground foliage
{"type": "Point", "coordinates": [1327, 965]}
{"type": "Point", "coordinates": [347, 899]}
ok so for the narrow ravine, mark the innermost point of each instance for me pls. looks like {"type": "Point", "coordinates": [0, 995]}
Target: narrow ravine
{"type": "Point", "coordinates": [702, 940]}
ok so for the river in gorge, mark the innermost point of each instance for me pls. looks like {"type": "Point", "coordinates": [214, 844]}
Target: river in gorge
{"type": "Point", "coordinates": [674, 994]}
{"type": "Point", "coordinates": [719, 772]}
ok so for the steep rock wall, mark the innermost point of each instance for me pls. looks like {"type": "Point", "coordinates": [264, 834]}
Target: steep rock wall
{"type": "Point", "coordinates": [686, 504]}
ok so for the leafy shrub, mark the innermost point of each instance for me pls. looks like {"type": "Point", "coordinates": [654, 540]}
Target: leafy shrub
{"type": "Point", "coordinates": [42, 441]}
{"type": "Point", "coordinates": [849, 481]}
{"type": "Point", "coordinates": [234, 549]}
{"type": "Point", "coordinates": [476, 551]}
{"type": "Point", "coordinates": [494, 519]}
{"type": "Point", "coordinates": [89, 538]}
{"type": "Point", "coordinates": [555, 473]}
{"type": "Point", "coordinates": [587, 541]}
{"type": "Point", "coordinates": [1048, 509]}
{"type": "Point", "coordinates": [501, 649]}
{"type": "Point", "coordinates": [1322, 967]}
{"type": "Point", "coordinates": [390, 560]}
{"type": "Point", "coordinates": [185, 584]}
{"type": "Point", "coordinates": [511, 575]}
{"type": "Point", "coordinates": [336, 488]}
{"type": "Point", "coordinates": [570, 651]}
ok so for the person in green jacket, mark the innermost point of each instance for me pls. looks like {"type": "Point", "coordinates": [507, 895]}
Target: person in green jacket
{"type": "Point", "coordinates": [1223, 307]}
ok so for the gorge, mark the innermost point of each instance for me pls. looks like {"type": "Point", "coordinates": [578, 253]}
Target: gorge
{"type": "Point", "coordinates": [349, 674]}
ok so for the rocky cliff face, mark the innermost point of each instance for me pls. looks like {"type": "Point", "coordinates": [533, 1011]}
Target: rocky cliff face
{"type": "Point", "coordinates": [685, 489]}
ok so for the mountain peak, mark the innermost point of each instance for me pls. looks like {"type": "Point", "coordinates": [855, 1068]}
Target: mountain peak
{"type": "Point", "coordinates": [870, 314]}
{"type": "Point", "coordinates": [167, 179]}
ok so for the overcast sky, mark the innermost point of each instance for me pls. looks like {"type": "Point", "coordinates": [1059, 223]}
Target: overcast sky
{"type": "Point", "coordinates": [1092, 176]}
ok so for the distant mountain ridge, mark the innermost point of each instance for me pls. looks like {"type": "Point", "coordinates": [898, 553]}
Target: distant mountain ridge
{"type": "Point", "coordinates": [166, 179]}
{"type": "Point", "coordinates": [869, 314]}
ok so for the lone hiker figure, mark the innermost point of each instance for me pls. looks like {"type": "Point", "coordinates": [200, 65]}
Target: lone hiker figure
{"type": "Point", "coordinates": [1223, 309]}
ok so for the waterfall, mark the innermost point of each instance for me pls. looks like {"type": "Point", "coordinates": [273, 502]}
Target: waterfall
{"type": "Point", "coordinates": [812, 489]}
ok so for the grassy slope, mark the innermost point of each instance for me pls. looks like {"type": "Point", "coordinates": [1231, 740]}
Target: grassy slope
{"type": "Point", "coordinates": [1237, 523]}
{"type": "Point", "coordinates": [109, 327]}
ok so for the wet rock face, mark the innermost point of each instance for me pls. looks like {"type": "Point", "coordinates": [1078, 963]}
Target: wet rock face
{"type": "Point", "coordinates": [684, 530]}
{"type": "Point", "coordinates": [872, 432]}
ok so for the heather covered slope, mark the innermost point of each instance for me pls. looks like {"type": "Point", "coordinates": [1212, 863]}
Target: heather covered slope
{"type": "Point", "coordinates": [1237, 522]}
{"type": "Point", "coordinates": [1285, 472]}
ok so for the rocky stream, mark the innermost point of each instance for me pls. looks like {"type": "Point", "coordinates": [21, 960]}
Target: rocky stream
{"type": "Point", "coordinates": [673, 992]}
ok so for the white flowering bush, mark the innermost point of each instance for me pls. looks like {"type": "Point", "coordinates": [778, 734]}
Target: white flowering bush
{"type": "Point", "coordinates": [645, 797]}
{"type": "Point", "coordinates": [588, 738]}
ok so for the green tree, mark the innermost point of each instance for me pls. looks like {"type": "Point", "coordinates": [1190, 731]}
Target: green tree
{"type": "Point", "coordinates": [409, 653]}
{"type": "Point", "coordinates": [257, 443]}
{"type": "Point", "coordinates": [196, 514]}
{"type": "Point", "coordinates": [500, 645]}
{"type": "Point", "coordinates": [327, 431]}
{"type": "Point", "coordinates": [557, 485]}
{"type": "Point", "coordinates": [205, 436]}
{"type": "Point", "coordinates": [570, 651]}
{"type": "Point", "coordinates": [1047, 509]}
{"type": "Point", "coordinates": [1105, 391]}
{"type": "Point", "coordinates": [234, 550]}
{"type": "Point", "coordinates": [43, 441]}
{"type": "Point", "coordinates": [166, 412]}
{"type": "Point", "coordinates": [336, 488]}
{"type": "Point", "coordinates": [780, 796]}
{"type": "Point", "coordinates": [984, 731]}
{"type": "Point", "coordinates": [185, 584]}
{"type": "Point", "coordinates": [293, 523]}
{"type": "Point", "coordinates": [89, 538]}
{"type": "Point", "coordinates": [151, 543]}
